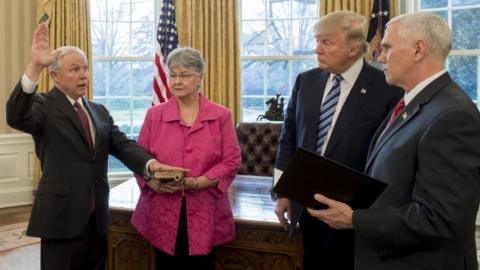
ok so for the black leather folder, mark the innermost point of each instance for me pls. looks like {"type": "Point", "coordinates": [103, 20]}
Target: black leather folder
{"type": "Point", "coordinates": [308, 173]}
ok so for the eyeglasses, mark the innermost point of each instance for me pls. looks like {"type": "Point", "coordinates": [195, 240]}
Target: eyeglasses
{"type": "Point", "coordinates": [183, 76]}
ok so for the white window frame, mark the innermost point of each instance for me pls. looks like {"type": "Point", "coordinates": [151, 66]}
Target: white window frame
{"type": "Point", "coordinates": [265, 57]}
{"type": "Point", "coordinates": [118, 177]}
{"type": "Point", "coordinates": [411, 6]}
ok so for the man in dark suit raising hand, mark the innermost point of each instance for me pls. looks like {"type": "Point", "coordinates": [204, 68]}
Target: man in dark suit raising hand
{"type": "Point", "coordinates": [73, 138]}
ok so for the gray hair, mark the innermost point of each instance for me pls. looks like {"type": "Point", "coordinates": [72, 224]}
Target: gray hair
{"type": "Point", "coordinates": [428, 27]}
{"type": "Point", "coordinates": [351, 23]}
{"type": "Point", "coordinates": [186, 57]}
{"type": "Point", "coordinates": [57, 62]}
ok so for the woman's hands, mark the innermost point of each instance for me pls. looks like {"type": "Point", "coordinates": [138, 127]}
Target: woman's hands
{"type": "Point", "coordinates": [198, 183]}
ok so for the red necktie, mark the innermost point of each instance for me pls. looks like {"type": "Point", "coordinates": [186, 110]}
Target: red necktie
{"type": "Point", "coordinates": [86, 129]}
{"type": "Point", "coordinates": [85, 125]}
{"type": "Point", "coordinates": [396, 112]}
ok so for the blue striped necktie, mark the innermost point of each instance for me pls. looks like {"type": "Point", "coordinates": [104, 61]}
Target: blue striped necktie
{"type": "Point", "coordinates": [326, 113]}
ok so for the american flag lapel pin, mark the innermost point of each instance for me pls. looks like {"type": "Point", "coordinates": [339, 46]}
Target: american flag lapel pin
{"type": "Point", "coordinates": [363, 91]}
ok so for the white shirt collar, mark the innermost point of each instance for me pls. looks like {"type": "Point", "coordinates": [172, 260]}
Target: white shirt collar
{"type": "Point", "coordinates": [410, 95]}
{"type": "Point", "coordinates": [72, 101]}
{"type": "Point", "coordinates": [351, 74]}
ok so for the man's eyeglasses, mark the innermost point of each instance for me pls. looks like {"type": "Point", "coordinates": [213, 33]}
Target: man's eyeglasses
{"type": "Point", "coordinates": [183, 76]}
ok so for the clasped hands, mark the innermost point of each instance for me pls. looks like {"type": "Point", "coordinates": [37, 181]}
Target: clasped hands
{"type": "Point", "coordinates": [337, 215]}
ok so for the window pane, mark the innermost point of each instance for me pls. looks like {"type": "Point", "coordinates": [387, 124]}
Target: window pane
{"type": "Point", "coordinates": [118, 10]}
{"type": "Point", "coordinates": [277, 78]}
{"type": "Point", "coordinates": [464, 71]}
{"type": "Point", "coordinates": [120, 111]}
{"type": "Point", "coordinates": [253, 77]}
{"type": "Point", "coordinates": [278, 9]}
{"type": "Point", "coordinates": [114, 165]}
{"type": "Point", "coordinates": [252, 108]}
{"type": "Point", "coordinates": [99, 38]}
{"type": "Point", "coordinates": [98, 10]}
{"type": "Point", "coordinates": [433, 3]}
{"type": "Point", "coordinates": [99, 78]}
{"type": "Point", "coordinates": [123, 28]}
{"type": "Point", "coordinates": [142, 78]}
{"type": "Point", "coordinates": [119, 78]}
{"type": "Point", "coordinates": [303, 37]}
{"type": "Point", "coordinates": [142, 39]}
{"type": "Point", "coordinates": [142, 10]}
{"type": "Point", "coordinates": [253, 9]}
{"type": "Point", "coordinates": [118, 39]}
{"type": "Point", "coordinates": [278, 37]}
{"type": "Point", "coordinates": [456, 3]}
{"type": "Point", "coordinates": [442, 14]}
{"type": "Point", "coordinates": [253, 38]}
{"type": "Point", "coordinates": [140, 108]}
{"type": "Point", "coordinates": [466, 33]}
{"type": "Point", "coordinates": [299, 67]}
{"type": "Point", "coordinates": [304, 8]}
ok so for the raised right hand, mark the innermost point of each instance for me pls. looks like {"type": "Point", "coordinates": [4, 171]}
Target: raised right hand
{"type": "Point", "coordinates": [41, 54]}
{"type": "Point", "coordinates": [283, 206]}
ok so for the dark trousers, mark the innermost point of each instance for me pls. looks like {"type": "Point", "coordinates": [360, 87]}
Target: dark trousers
{"type": "Point", "coordinates": [88, 251]}
{"type": "Point", "coordinates": [181, 259]}
{"type": "Point", "coordinates": [325, 248]}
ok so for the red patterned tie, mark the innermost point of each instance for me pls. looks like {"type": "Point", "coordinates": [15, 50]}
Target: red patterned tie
{"type": "Point", "coordinates": [85, 125]}
{"type": "Point", "coordinates": [396, 112]}
{"type": "Point", "coordinates": [86, 129]}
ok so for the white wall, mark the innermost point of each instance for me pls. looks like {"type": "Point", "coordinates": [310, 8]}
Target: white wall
{"type": "Point", "coordinates": [17, 155]}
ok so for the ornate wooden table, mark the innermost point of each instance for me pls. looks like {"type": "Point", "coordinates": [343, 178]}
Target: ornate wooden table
{"type": "Point", "coordinates": [261, 242]}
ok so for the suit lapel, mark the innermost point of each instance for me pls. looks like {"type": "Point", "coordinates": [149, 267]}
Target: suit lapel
{"type": "Point", "coordinates": [408, 113]}
{"type": "Point", "coordinates": [360, 92]}
{"type": "Point", "coordinates": [62, 104]}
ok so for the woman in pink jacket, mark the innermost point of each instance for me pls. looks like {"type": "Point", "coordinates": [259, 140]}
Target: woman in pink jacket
{"type": "Point", "coordinates": [188, 131]}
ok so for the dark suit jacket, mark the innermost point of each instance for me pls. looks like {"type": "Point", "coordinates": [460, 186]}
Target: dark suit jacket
{"type": "Point", "coordinates": [72, 173]}
{"type": "Point", "coordinates": [430, 157]}
{"type": "Point", "coordinates": [368, 103]}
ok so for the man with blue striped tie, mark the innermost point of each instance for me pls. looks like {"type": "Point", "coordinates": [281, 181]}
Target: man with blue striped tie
{"type": "Point", "coordinates": [334, 110]}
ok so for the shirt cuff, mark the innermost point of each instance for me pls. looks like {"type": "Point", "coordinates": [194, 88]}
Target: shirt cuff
{"type": "Point", "coordinates": [276, 175]}
{"type": "Point", "coordinates": [146, 171]}
{"type": "Point", "coordinates": [28, 85]}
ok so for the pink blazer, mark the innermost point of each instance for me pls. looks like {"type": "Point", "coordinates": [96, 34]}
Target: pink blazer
{"type": "Point", "coordinates": [208, 148]}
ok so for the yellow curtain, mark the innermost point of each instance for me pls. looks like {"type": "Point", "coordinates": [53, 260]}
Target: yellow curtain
{"type": "Point", "coordinates": [210, 26]}
{"type": "Point", "coordinates": [363, 7]}
{"type": "Point", "coordinates": [69, 24]}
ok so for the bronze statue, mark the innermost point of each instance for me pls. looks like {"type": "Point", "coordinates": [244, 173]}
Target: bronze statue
{"type": "Point", "coordinates": [275, 109]}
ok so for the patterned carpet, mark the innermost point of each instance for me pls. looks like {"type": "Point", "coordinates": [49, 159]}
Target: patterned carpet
{"type": "Point", "coordinates": [13, 236]}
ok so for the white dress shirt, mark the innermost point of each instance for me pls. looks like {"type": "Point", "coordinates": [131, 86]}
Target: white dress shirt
{"type": "Point", "coordinates": [349, 78]}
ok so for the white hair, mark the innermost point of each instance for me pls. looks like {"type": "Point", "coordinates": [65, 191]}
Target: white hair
{"type": "Point", "coordinates": [428, 27]}
{"type": "Point", "coordinates": [57, 62]}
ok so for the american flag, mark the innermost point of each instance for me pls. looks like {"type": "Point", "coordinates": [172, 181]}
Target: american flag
{"type": "Point", "coordinates": [167, 40]}
{"type": "Point", "coordinates": [380, 17]}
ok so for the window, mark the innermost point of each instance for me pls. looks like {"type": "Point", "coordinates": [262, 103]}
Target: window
{"type": "Point", "coordinates": [277, 43]}
{"type": "Point", "coordinates": [123, 39]}
{"type": "Point", "coordinates": [463, 16]}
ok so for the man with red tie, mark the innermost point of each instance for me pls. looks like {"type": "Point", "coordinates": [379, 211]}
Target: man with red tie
{"type": "Point", "coordinates": [73, 138]}
{"type": "Point", "coordinates": [429, 155]}
{"type": "Point", "coordinates": [334, 110]}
